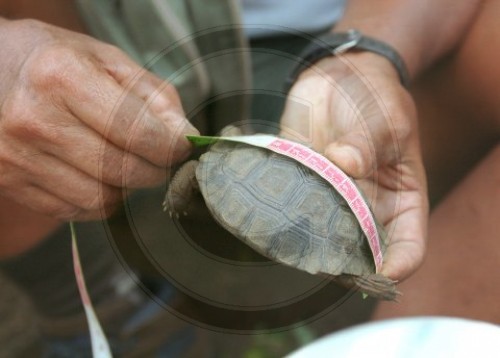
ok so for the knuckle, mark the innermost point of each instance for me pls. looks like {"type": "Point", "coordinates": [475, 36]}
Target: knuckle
{"type": "Point", "coordinates": [90, 199]}
{"type": "Point", "coordinates": [63, 212]}
{"type": "Point", "coordinates": [404, 131]}
{"type": "Point", "coordinates": [404, 114]}
{"type": "Point", "coordinates": [104, 197]}
{"type": "Point", "coordinates": [15, 112]}
{"type": "Point", "coordinates": [402, 127]}
{"type": "Point", "coordinates": [24, 119]}
{"type": "Point", "coordinates": [90, 203]}
{"type": "Point", "coordinates": [53, 67]}
{"type": "Point", "coordinates": [120, 65]}
{"type": "Point", "coordinates": [171, 96]}
{"type": "Point", "coordinates": [29, 128]}
{"type": "Point", "coordinates": [23, 123]}
{"type": "Point", "coordinates": [112, 50]}
{"type": "Point", "coordinates": [87, 196]}
{"type": "Point", "coordinates": [111, 162]}
{"type": "Point", "coordinates": [112, 174]}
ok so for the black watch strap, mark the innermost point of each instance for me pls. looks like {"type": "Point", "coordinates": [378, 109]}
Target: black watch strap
{"type": "Point", "coordinates": [332, 44]}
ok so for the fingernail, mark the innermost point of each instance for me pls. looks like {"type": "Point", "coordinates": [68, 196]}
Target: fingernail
{"type": "Point", "coordinates": [185, 147]}
{"type": "Point", "coordinates": [189, 129]}
{"type": "Point", "coordinates": [192, 129]}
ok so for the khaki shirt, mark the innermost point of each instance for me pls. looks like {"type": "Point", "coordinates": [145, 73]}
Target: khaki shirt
{"type": "Point", "coordinates": [197, 45]}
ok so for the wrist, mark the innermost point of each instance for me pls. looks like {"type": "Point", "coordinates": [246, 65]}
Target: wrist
{"type": "Point", "coordinates": [359, 65]}
{"type": "Point", "coordinates": [351, 45]}
{"type": "Point", "coordinates": [363, 62]}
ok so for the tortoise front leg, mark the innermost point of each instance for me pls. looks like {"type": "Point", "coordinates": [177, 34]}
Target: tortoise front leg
{"type": "Point", "coordinates": [181, 189]}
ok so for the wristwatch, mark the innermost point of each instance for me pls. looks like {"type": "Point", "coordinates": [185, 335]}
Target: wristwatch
{"type": "Point", "coordinates": [333, 44]}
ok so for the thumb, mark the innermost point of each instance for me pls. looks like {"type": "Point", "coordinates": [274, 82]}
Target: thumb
{"type": "Point", "coordinates": [354, 154]}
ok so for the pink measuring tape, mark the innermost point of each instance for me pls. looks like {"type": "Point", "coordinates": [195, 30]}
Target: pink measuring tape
{"type": "Point", "coordinates": [340, 181]}
{"type": "Point", "coordinates": [304, 155]}
{"type": "Point", "coordinates": [100, 346]}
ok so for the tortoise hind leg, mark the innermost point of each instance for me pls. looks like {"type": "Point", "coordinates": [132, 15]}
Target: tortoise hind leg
{"type": "Point", "coordinates": [181, 189]}
{"type": "Point", "coordinates": [374, 285]}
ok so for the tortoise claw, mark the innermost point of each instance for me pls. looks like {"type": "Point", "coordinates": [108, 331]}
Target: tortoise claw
{"type": "Point", "coordinates": [173, 214]}
{"type": "Point", "coordinates": [374, 285]}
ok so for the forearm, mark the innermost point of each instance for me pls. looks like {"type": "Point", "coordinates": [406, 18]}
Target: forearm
{"type": "Point", "coordinates": [422, 31]}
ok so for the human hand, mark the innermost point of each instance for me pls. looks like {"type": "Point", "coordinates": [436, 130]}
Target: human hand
{"type": "Point", "coordinates": [79, 120]}
{"type": "Point", "coordinates": [365, 122]}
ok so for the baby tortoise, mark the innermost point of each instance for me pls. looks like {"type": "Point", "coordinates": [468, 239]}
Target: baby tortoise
{"type": "Point", "coordinates": [284, 211]}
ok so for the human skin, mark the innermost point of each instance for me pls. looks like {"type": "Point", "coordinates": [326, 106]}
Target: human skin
{"type": "Point", "coordinates": [19, 237]}
{"type": "Point", "coordinates": [373, 138]}
{"type": "Point", "coordinates": [460, 275]}
{"type": "Point", "coordinates": [58, 92]}
{"type": "Point", "coordinates": [425, 48]}
{"type": "Point", "coordinates": [366, 122]}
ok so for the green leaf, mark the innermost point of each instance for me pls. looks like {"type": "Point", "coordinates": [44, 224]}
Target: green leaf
{"type": "Point", "coordinates": [200, 141]}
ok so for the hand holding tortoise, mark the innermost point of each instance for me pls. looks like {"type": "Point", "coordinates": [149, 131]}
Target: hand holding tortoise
{"type": "Point", "coordinates": [365, 122]}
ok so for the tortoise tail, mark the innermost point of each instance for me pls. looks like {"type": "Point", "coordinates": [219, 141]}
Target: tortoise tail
{"type": "Point", "coordinates": [374, 285]}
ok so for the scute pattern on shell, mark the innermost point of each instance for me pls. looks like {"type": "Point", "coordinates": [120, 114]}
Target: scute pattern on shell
{"type": "Point", "coordinates": [283, 210]}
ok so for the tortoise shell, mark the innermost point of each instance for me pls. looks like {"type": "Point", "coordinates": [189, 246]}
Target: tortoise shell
{"type": "Point", "coordinates": [283, 210]}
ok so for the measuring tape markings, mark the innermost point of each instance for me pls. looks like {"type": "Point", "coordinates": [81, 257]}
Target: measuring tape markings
{"type": "Point", "coordinates": [342, 183]}
{"type": "Point", "coordinates": [100, 346]}
{"type": "Point", "coordinates": [304, 155]}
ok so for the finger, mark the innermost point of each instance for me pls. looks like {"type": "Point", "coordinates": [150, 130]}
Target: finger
{"type": "Point", "coordinates": [39, 200]}
{"type": "Point", "coordinates": [82, 148]}
{"type": "Point", "coordinates": [126, 122]}
{"type": "Point", "coordinates": [354, 154]}
{"type": "Point", "coordinates": [305, 113]}
{"type": "Point", "coordinates": [406, 247]}
{"type": "Point", "coordinates": [371, 124]}
{"type": "Point", "coordinates": [101, 103]}
{"type": "Point", "coordinates": [67, 183]}
{"type": "Point", "coordinates": [376, 135]}
{"type": "Point", "coordinates": [160, 96]}
{"type": "Point", "coordinates": [403, 257]}
{"type": "Point", "coordinates": [157, 92]}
